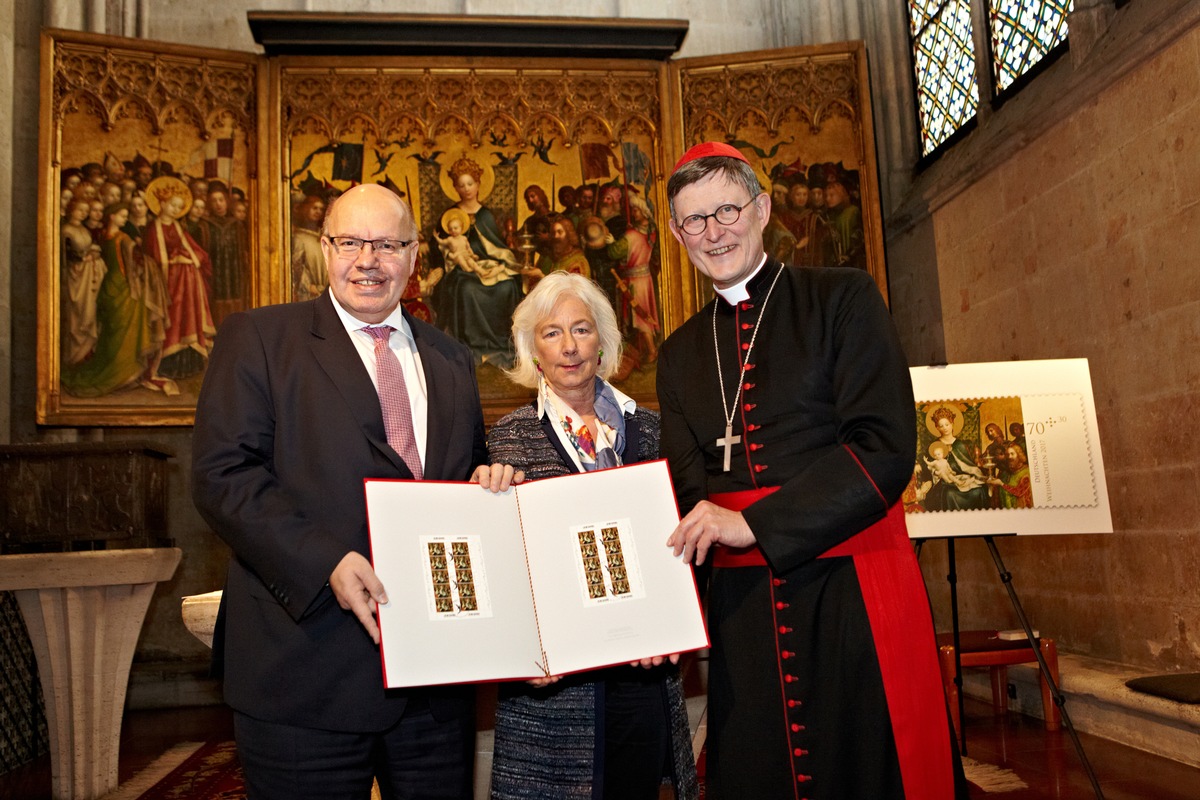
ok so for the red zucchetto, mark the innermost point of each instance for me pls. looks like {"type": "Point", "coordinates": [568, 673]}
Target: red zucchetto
{"type": "Point", "coordinates": [705, 149]}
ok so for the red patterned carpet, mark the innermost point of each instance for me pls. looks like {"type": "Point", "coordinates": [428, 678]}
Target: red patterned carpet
{"type": "Point", "coordinates": [190, 771]}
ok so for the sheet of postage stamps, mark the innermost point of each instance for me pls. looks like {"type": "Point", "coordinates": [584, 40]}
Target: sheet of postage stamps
{"type": "Point", "coordinates": [608, 564]}
{"type": "Point", "coordinates": [456, 584]}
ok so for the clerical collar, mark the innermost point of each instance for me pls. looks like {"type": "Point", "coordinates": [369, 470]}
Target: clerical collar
{"type": "Point", "coordinates": [738, 292]}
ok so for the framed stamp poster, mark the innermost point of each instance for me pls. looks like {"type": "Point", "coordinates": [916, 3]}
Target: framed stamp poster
{"type": "Point", "coordinates": [1006, 448]}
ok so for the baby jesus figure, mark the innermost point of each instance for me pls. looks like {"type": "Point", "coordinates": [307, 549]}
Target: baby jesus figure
{"type": "Point", "coordinates": [942, 471]}
{"type": "Point", "coordinates": [456, 250]}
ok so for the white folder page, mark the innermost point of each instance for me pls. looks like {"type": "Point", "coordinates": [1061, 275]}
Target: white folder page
{"type": "Point", "coordinates": [421, 646]}
{"type": "Point", "coordinates": [653, 611]}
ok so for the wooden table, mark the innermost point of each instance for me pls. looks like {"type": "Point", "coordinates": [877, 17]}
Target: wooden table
{"type": "Point", "coordinates": [84, 611]}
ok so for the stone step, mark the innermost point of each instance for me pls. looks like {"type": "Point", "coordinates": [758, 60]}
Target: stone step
{"type": "Point", "coordinates": [1100, 704]}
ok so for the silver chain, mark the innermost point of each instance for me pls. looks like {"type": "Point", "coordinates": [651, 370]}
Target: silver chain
{"type": "Point", "coordinates": [716, 350]}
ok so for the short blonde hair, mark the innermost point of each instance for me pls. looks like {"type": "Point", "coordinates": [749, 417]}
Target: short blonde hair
{"type": "Point", "coordinates": [540, 303]}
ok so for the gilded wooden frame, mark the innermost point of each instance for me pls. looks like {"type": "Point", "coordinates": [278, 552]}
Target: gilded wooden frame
{"type": "Point", "coordinates": [546, 123]}
{"type": "Point", "coordinates": [126, 314]}
{"type": "Point", "coordinates": [801, 116]}
{"type": "Point", "coordinates": [328, 122]}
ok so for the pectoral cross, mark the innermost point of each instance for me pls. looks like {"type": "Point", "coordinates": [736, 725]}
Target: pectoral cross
{"type": "Point", "coordinates": [728, 441]}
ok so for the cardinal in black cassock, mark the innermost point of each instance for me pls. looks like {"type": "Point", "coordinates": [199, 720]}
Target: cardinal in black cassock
{"type": "Point", "coordinates": [787, 419]}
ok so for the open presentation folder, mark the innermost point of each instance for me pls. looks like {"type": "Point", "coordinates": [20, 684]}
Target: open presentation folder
{"type": "Point", "coordinates": [551, 577]}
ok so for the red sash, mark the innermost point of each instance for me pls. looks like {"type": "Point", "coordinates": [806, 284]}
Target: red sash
{"type": "Point", "coordinates": [893, 592]}
{"type": "Point", "coordinates": [878, 537]}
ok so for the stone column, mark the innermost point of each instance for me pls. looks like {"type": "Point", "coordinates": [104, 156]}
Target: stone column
{"type": "Point", "coordinates": [84, 611]}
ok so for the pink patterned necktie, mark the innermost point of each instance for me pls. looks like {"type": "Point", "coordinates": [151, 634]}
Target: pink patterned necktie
{"type": "Point", "coordinates": [393, 400]}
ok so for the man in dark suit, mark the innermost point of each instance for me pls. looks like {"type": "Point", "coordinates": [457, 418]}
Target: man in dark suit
{"type": "Point", "coordinates": [288, 425]}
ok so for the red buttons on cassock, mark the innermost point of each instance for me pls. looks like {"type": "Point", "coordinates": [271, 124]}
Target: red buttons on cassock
{"type": "Point", "coordinates": [777, 581]}
{"type": "Point", "coordinates": [790, 679]}
{"type": "Point", "coordinates": [787, 654]}
{"type": "Point", "coordinates": [803, 778]}
{"type": "Point", "coordinates": [746, 326]}
{"type": "Point", "coordinates": [749, 367]}
{"type": "Point", "coordinates": [746, 306]}
{"type": "Point", "coordinates": [745, 345]}
{"type": "Point", "coordinates": [757, 446]}
{"type": "Point", "coordinates": [793, 704]}
{"type": "Point", "coordinates": [753, 427]}
{"type": "Point", "coordinates": [784, 629]}
{"type": "Point", "coordinates": [747, 386]}
{"type": "Point", "coordinates": [781, 606]}
{"type": "Point", "coordinates": [797, 728]}
{"type": "Point", "coordinates": [759, 467]}
{"type": "Point", "coordinates": [799, 752]}
{"type": "Point", "coordinates": [749, 406]}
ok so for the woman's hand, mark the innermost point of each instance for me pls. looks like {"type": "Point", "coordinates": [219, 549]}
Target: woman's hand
{"type": "Point", "coordinates": [497, 477]}
{"type": "Point", "coordinates": [656, 661]}
{"type": "Point", "coordinates": [541, 683]}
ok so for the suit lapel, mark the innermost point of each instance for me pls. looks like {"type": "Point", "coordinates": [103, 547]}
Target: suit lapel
{"type": "Point", "coordinates": [440, 386]}
{"type": "Point", "coordinates": [337, 355]}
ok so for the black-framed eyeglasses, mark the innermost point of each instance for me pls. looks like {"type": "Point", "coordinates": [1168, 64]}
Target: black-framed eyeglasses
{"type": "Point", "coordinates": [383, 248]}
{"type": "Point", "coordinates": [725, 215]}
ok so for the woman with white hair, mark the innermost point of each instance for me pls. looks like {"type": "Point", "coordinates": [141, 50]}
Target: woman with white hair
{"type": "Point", "coordinates": [613, 733]}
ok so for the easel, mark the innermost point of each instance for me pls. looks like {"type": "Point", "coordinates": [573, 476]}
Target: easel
{"type": "Point", "coordinates": [1006, 579]}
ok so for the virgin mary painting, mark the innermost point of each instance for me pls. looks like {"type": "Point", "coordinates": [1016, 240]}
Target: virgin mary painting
{"type": "Point", "coordinates": [476, 312]}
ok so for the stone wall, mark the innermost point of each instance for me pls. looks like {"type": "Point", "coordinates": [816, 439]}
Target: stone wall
{"type": "Point", "coordinates": [1082, 243]}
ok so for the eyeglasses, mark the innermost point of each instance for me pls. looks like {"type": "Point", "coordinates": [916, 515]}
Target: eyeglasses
{"type": "Point", "coordinates": [383, 248]}
{"type": "Point", "coordinates": [725, 215]}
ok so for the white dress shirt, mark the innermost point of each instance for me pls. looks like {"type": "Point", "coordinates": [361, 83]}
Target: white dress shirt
{"type": "Point", "coordinates": [404, 346]}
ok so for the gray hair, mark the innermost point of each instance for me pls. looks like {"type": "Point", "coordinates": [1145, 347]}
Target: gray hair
{"type": "Point", "coordinates": [540, 303]}
{"type": "Point", "coordinates": [735, 171]}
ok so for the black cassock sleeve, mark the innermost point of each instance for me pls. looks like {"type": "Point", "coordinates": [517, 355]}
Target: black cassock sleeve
{"type": "Point", "coordinates": [849, 486]}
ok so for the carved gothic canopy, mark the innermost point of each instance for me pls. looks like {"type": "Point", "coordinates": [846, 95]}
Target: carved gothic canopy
{"type": "Point", "coordinates": [542, 150]}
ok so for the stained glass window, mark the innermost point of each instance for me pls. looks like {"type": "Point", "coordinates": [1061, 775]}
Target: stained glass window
{"type": "Point", "coordinates": [1023, 32]}
{"type": "Point", "coordinates": [944, 58]}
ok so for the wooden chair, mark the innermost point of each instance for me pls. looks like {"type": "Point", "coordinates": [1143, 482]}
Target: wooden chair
{"type": "Point", "coordinates": [986, 649]}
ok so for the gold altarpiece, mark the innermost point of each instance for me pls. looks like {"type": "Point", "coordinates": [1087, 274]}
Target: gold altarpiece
{"type": "Point", "coordinates": [262, 143]}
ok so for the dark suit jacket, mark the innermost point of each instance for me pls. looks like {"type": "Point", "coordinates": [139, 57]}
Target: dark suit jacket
{"type": "Point", "coordinates": [288, 425]}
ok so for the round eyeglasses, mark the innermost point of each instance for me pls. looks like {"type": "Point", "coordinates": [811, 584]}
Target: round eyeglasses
{"type": "Point", "coordinates": [383, 248]}
{"type": "Point", "coordinates": [725, 215]}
